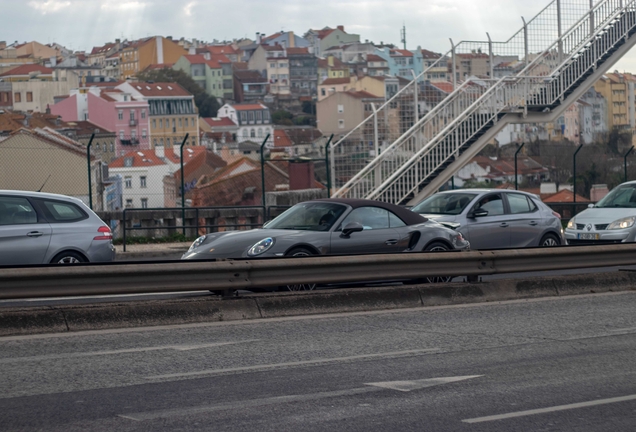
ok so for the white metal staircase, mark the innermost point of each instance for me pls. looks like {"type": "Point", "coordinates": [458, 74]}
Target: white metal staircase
{"type": "Point", "coordinates": [418, 139]}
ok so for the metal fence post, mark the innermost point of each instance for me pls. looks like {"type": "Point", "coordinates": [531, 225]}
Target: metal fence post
{"type": "Point", "coordinates": [183, 185]}
{"type": "Point", "coordinates": [328, 171]}
{"type": "Point", "coordinates": [625, 162]}
{"type": "Point", "coordinates": [123, 226]}
{"type": "Point", "coordinates": [376, 146]}
{"type": "Point", "coordinates": [559, 31]}
{"type": "Point", "coordinates": [263, 171]}
{"type": "Point", "coordinates": [454, 67]}
{"type": "Point", "coordinates": [90, 180]}
{"type": "Point", "coordinates": [574, 174]}
{"type": "Point", "coordinates": [491, 57]}
{"type": "Point", "coordinates": [516, 153]}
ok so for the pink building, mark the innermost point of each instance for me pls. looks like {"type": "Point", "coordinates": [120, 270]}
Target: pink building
{"type": "Point", "coordinates": [112, 109]}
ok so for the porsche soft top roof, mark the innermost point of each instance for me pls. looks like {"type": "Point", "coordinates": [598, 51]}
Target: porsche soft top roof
{"type": "Point", "coordinates": [407, 216]}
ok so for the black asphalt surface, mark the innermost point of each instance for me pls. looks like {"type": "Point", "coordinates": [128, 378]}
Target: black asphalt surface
{"type": "Point", "coordinates": [441, 369]}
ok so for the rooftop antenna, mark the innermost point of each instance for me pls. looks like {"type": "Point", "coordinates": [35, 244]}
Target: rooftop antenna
{"type": "Point", "coordinates": [403, 35]}
{"type": "Point", "coordinates": [47, 179]}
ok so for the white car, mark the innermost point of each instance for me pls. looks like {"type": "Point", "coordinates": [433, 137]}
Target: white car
{"type": "Point", "coordinates": [43, 228]}
{"type": "Point", "coordinates": [611, 220]}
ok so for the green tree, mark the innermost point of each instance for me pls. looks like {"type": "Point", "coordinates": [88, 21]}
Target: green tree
{"type": "Point", "coordinates": [282, 117]}
{"type": "Point", "coordinates": [205, 103]}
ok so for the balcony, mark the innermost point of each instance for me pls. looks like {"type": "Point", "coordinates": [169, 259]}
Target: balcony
{"type": "Point", "coordinates": [132, 122]}
{"type": "Point", "coordinates": [131, 141]}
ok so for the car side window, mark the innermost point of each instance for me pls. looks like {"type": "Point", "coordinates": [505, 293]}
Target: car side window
{"type": "Point", "coordinates": [395, 221]}
{"type": "Point", "coordinates": [60, 212]}
{"type": "Point", "coordinates": [369, 217]}
{"type": "Point", "coordinates": [493, 204]}
{"type": "Point", "coordinates": [16, 211]}
{"type": "Point", "coordinates": [520, 204]}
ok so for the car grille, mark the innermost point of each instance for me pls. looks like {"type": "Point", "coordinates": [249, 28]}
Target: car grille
{"type": "Point", "coordinates": [599, 227]}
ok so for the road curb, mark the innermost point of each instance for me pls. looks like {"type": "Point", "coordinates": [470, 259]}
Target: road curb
{"type": "Point", "coordinates": [32, 320]}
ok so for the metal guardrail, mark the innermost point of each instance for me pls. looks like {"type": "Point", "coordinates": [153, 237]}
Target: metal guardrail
{"type": "Point", "coordinates": [78, 280]}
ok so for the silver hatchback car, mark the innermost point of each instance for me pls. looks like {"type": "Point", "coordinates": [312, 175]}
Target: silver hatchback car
{"type": "Point", "coordinates": [495, 218]}
{"type": "Point", "coordinates": [43, 228]}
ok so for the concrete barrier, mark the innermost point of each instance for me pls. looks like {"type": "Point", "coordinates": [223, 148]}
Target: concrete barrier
{"type": "Point", "coordinates": [30, 320]}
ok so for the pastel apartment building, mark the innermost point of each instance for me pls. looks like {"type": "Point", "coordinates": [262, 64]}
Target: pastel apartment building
{"type": "Point", "coordinates": [212, 72]}
{"type": "Point", "coordinates": [253, 120]}
{"type": "Point", "coordinates": [140, 54]}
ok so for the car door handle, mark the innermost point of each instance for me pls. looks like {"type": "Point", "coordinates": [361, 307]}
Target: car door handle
{"type": "Point", "coordinates": [34, 234]}
{"type": "Point", "coordinates": [503, 225]}
{"type": "Point", "coordinates": [533, 223]}
{"type": "Point", "coordinates": [391, 242]}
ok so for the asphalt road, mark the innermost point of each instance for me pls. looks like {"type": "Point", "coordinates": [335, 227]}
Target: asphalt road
{"type": "Point", "coordinates": [555, 364]}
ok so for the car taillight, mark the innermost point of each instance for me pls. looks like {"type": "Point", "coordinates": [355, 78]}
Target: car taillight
{"type": "Point", "coordinates": [556, 214]}
{"type": "Point", "coordinates": [105, 233]}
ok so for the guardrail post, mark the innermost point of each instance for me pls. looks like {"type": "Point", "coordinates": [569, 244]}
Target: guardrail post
{"type": "Point", "coordinates": [625, 162]}
{"type": "Point", "coordinates": [327, 167]}
{"type": "Point", "coordinates": [416, 116]}
{"type": "Point", "coordinates": [90, 180]}
{"type": "Point", "coordinates": [592, 17]}
{"type": "Point", "coordinates": [574, 175]}
{"type": "Point", "coordinates": [491, 57]}
{"type": "Point", "coordinates": [516, 153]}
{"type": "Point", "coordinates": [559, 31]}
{"type": "Point", "coordinates": [263, 170]}
{"type": "Point", "coordinates": [182, 184]}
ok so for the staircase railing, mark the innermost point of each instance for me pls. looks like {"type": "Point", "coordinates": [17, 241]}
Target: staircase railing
{"type": "Point", "coordinates": [428, 144]}
{"type": "Point", "coordinates": [507, 93]}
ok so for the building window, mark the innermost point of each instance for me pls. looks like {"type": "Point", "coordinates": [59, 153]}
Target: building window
{"type": "Point", "coordinates": [143, 133]}
{"type": "Point", "coordinates": [340, 108]}
{"type": "Point", "coordinates": [142, 181]}
{"type": "Point", "coordinates": [112, 147]}
{"type": "Point", "coordinates": [252, 133]}
{"type": "Point", "coordinates": [272, 65]}
{"type": "Point", "coordinates": [245, 133]}
{"type": "Point", "coordinates": [129, 203]}
{"type": "Point", "coordinates": [341, 124]}
{"type": "Point", "coordinates": [105, 148]}
{"type": "Point", "coordinates": [160, 123]}
{"type": "Point", "coordinates": [180, 123]}
{"type": "Point", "coordinates": [144, 203]}
{"type": "Point", "coordinates": [143, 113]}
{"type": "Point", "coordinates": [132, 114]}
{"type": "Point", "coordinates": [128, 182]}
{"type": "Point", "coordinates": [161, 142]}
{"type": "Point", "coordinates": [250, 115]}
{"type": "Point", "coordinates": [174, 123]}
{"type": "Point", "coordinates": [29, 97]}
{"type": "Point", "coordinates": [243, 116]}
{"type": "Point", "coordinates": [260, 132]}
{"type": "Point", "coordinates": [154, 123]}
{"type": "Point", "coordinates": [120, 114]}
{"type": "Point", "coordinates": [121, 135]}
{"type": "Point", "coordinates": [17, 97]}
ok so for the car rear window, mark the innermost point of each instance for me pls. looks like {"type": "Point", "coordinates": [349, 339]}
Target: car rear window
{"type": "Point", "coordinates": [58, 211]}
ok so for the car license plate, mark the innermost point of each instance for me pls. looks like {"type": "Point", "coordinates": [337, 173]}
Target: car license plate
{"type": "Point", "coordinates": [588, 236]}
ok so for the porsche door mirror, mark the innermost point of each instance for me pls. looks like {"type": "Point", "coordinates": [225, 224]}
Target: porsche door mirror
{"type": "Point", "coordinates": [351, 227]}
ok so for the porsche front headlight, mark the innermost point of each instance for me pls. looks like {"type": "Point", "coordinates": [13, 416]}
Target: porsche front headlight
{"type": "Point", "coordinates": [198, 242]}
{"type": "Point", "coordinates": [623, 223]}
{"type": "Point", "coordinates": [261, 247]}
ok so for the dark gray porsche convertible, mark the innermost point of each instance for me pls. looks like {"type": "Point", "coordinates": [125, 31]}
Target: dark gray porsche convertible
{"type": "Point", "coordinates": [332, 226]}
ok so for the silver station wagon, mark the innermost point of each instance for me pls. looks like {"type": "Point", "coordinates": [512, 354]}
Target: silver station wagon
{"type": "Point", "coordinates": [611, 220]}
{"type": "Point", "coordinates": [43, 228]}
{"type": "Point", "coordinates": [495, 218]}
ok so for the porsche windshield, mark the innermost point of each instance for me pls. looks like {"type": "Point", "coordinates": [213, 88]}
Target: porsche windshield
{"type": "Point", "coordinates": [622, 196]}
{"type": "Point", "coordinates": [311, 216]}
{"type": "Point", "coordinates": [444, 203]}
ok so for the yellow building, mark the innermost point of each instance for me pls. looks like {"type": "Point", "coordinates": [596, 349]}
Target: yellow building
{"type": "Point", "coordinates": [145, 52]}
{"type": "Point", "coordinates": [172, 112]}
{"type": "Point", "coordinates": [618, 91]}
{"type": "Point", "coordinates": [28, 72]}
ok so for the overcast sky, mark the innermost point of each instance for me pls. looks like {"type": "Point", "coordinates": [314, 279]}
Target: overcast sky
{"type": "Point", "coordinates": [82, 24]}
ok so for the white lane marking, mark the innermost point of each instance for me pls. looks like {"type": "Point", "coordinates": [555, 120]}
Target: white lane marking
{"type": "Point", "coordinates": [151, 415]}
{"type": "Point", "coordinates": [314, 362]}
{"type": "Point", "coordinates": [624, 330]}
{"type": "Point", "coordinates": [407, 386]}
{"type": "Point", "coordinates": [120, 351]}
{"type": "Point", "coordinates": [262, 321]}
{"type": "Point", "coordinates": [551, 409]}
{"type": "Point", "coordinates": [373, 387]}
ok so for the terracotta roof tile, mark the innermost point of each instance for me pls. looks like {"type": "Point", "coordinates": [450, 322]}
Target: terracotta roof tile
{"type": "Point", "coordinates": [26, 69]}
{"type": "Point", "coordinates": [334, 81]}
{"type": "Point", "coordinates": [160, 89]}
{"type": "Point", "coordinates": [142, 158]}
{"type": "Point", "coordinates": [218, 121]}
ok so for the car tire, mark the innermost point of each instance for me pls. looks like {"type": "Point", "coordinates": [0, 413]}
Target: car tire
{"type": "Point", "coordinates": [434, 247]}
{"type": "Point", "coordinates": [549, 240]}
{"type": "Point", "coordinates": [299, 252]}
{"type": "Point", "coordinates": [68, 257]}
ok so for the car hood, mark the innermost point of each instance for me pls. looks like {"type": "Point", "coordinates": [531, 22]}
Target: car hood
{"type": "Point", "coordinates": [234, 243]}
{"type": "Point", "coordinates": [603, 215]}
{"type": "Point", "coordinates": [440, 218]}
